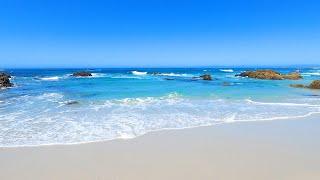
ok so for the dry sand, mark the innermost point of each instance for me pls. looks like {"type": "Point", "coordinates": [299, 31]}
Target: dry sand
{"type": "Point", "coordinates": [273, 150]}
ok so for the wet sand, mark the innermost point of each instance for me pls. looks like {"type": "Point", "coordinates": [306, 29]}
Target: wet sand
{"type": "Point", "coordinates": [277, 150]}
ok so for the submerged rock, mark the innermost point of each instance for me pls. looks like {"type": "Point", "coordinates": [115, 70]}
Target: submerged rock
{"type": "Point", "coordinates": [71, 102]}
{"type": "Point", "coordinates": [81, 74]}
{"type": "Point", "coordinates": [206, 77]}
{"type": "Point", "coordinates": [270, 75]}
{"type": "Point", "coordinates": [314, 85]}
{"type": "Point", "coordinates": [297, 85]}
{"type": "Point", "coordinates": [5, 80]}
{"type": "Point", "coordinates": [226, 84]}
{"type": "Point", "coordinates": [169, 79]}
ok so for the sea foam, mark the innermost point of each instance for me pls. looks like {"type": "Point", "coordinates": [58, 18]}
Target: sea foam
{"type": "Point", "coordinates": [41, 119]}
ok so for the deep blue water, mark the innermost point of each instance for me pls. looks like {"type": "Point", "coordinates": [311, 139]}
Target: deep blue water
{"type": "Point", "coordinates": [125, 103]}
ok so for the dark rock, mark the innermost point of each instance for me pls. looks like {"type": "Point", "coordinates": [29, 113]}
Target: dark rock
{"type": "Point", "coordinates": [270, 75]}
{"type": "Point", "coordinates": [71, 102]}
{"type": "Point", "coordinates": [81, 74]}
{"type": "Point", "coordinates": [297, 85]}
{"type": "Point", "coordinates": [2, 74]}
{"type": "Point", "coordinates": [206, 77]}
{"type": "Point", "coordinates": [314, 85]}
{"type": "Point", "coordinates": [169, 79]}
{"type": "Point", "coordinates": [5, 80]}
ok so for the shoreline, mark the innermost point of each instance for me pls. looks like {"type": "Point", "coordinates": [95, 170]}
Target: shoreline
{"type": "Point", "coordinates": [297, 118]}
{"type": "Point", "coordinates": [284, 149]}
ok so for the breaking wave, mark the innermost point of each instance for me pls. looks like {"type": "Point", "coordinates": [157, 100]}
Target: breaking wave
{"type": "Point", "coordinates": [138, 73]}
{"type": "Point", "coordinates": [53, 78]}
{"type": "Point", "coordinates": [227, 70]}
{"type": "Point", "coordinates": [46, 119]}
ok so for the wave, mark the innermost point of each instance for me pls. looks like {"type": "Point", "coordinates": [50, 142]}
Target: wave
{"type": "Point", "coordinates": [53, 78]}
{"type": "Point", "coordinates": [138, 73]}
{"type": "Point", "coordinates": [311, 74]}
{"type": "Point", "coordinates": [281, 104]}
{"type": "Point", "coordinates": [66, 76]}
{"type": "Point", "coordinates": [226, 70]}
{"type": "Point", "coordinates": [98, 75]}
{"type": "Point", "coordinates": [45, 119]}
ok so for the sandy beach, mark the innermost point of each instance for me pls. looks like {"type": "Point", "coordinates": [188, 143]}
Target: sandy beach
{"type": "Point", "coordinates": [285, 150]}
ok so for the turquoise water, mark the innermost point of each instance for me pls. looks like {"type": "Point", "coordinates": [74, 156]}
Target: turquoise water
{"type": "Point", "coordinates": [126, 103]}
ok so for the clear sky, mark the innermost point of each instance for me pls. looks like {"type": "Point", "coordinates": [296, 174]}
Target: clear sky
{"type": "Point", "coordinates": [117, 33]}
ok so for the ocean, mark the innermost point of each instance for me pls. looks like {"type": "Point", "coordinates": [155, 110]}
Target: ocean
{"type": "Point", "coordinates": [49, 106]}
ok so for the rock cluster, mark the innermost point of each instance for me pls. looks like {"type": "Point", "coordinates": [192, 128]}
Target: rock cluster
{"type": "Point", "coordinates": [81, 74]}
{"type": "Point", "coordinates": [314, 85]}
{"type": "Point", "coordinates": [5, 80]}
{"type": "Point", "coordinates": [270, 74]}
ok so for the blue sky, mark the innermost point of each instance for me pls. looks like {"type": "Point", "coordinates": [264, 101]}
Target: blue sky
{"type": "Point", "coordinates": [154, 33]}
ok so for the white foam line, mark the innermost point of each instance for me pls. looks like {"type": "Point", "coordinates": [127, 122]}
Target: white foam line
{"type": "Point", "coordinates": [281, 104]}
{"type": "Point", "coordinates": [165, 129]}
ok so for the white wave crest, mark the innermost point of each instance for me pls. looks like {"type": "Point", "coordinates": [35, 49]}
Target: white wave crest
{"type": "Point", "coordinates": [311, 74]}
{"type": "Point", "coordinates": [98, 75]}
{"type": "Point", "coordinates": [138, 73]}
{"type": "Point", "coordinates": [53, 78]}
{"type": "Point", "coordinates": [226, 70]}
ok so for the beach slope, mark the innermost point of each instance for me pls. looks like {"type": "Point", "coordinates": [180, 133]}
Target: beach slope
{"type": "Point", "coordinates": [286, 150]}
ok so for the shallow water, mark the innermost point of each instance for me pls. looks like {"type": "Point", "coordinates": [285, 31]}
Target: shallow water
{"type": "Point", "coordinates": [48, 106]}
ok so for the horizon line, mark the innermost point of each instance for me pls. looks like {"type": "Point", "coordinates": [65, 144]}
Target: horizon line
{"type": "Point", "coordinates": [151, 67]}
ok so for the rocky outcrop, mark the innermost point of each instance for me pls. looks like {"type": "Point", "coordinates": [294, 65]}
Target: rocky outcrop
{"type": "Point", "coordinates": [206, 77]}
{"type": "Point", "coordinates": [292, 76]}
{"type": "Point", "coordinates": [5, 80]}
{"type": "Point", "coordinates": [314, 85]}
{"type": "Point", "coordinates": [81, 74]}
{"type": "Point", "coordinates": [270, 75]}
